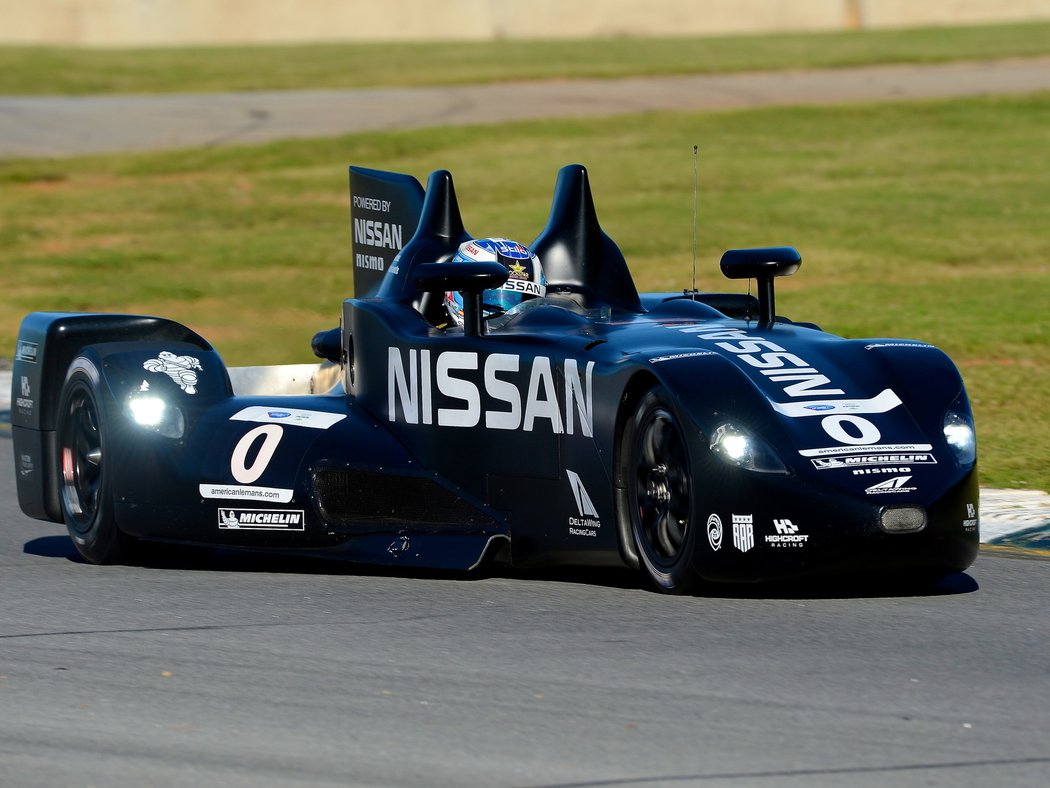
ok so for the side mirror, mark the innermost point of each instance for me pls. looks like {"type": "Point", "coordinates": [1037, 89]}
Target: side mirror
{"type": "Point", "coordinates": [763, 265]}
{"type": "Point", "coordinates": [469, 278]}
{"type": "Point", "coordinates": [329, 345]}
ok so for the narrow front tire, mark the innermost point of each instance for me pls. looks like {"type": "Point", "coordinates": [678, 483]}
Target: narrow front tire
{"type": "Point", "coordinates": [659, 483]}
{"type": "Point", "coordinates": [84, 480]}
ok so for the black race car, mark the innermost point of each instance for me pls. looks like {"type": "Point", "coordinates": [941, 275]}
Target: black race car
{"type": "Point", "coordinates": [691, 435]}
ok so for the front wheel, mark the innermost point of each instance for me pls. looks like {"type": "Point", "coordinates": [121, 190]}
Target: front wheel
{"type": "Point", "coordinates": [87, 503]}
{"type": "Point", "coordinates": [660, 492]}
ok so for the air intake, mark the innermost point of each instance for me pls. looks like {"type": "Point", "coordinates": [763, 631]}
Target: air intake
{"type": "Point", "coordinates": [348, 498]}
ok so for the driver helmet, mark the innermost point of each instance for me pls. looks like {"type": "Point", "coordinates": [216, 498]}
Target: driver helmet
{"type": "Point", "coordinates": [526, 276]}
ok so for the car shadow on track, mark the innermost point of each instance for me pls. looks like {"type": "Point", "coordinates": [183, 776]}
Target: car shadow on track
{"type": "Point", "coordinates": [833, 587]}
{"type": "Point", "coordinates": [51, 547]}
{"type": "Point", "coordinates": [824, 587]}
{"type": "Point", "coordinates": [203, 559]}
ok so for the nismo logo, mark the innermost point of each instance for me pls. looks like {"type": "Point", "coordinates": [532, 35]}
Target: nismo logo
{"type": "Point", "coordinates": [462, 389]}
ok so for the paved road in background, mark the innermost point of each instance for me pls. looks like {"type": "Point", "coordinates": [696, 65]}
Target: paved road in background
{"type": "Point", "coordinates": [60, 126]}
{"type": "Point", "coordinates": [241, 671]}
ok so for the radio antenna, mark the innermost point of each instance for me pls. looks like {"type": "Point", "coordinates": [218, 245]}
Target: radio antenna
{"type": "Point", "coordinates": [696, 191]}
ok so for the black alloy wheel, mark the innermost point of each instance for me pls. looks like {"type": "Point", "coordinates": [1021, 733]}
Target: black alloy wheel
{"type": "Point", "coordinates": [87, 507]}
{"type": "Point", "coordinates": [660, 492]}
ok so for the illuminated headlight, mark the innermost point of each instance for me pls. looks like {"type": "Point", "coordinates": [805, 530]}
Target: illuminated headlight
{"type": "Point", "coordinates": [155, 414]}
{"type": "Point", "coordinates": [738, 447]}
{"type": "Point", "coordinates": [960, 437]}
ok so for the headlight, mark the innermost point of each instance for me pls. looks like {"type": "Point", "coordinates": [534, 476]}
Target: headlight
{"type": "Point", "coordinates": [154, 413]}
{"type": "Point", "coordinates": [739, 447]}
{"type": "Point", "coordinates": [960, 437]}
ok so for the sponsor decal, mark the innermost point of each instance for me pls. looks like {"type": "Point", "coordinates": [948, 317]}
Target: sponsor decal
{"type": "Point", "coordinates": [587, 523]}
{"type": "Point", "coordinates": [372, 204]}
{"type": "Point", "coordinates": [510, 248]}
{"type": "Point", "coordinates": [25, 465]}
{"type": "Point", "coordinates": [245, 493]}
{"type": "Point", "coordinates": [882, 402]}
{"type": "Point", "coordinates": [822, 464]}
{"type": "Point", "coordinates": [526, 286]}
{"type": "Point", "coordinates": [798, 378]}
{"type": "Point", "coordinates": [399, 546]}
{"type": "Point", "coordinates": [970, 523]}
{"type": "Point", "coordinates": [676, 356]}
{"type": "Point", "coordinates": [894, 485]}
{"type": "Point", "coordinates": [144, 386]}
{"type": "Point", "coordinates": [714, 531]}
{"type": "Point", "coordinates": [26, 351]}
{"type": "Point", "coordinates": [371, 262]}
{"type": "Point", "coordinates": [831, 462]}
{"type": "Point", "coordinates": [24, 403]}
{"type": "Point", "coordinates": [889, 469]}
{"type": "Point", "coordinates": [743, 532]}
{"type": "Point", "coordinates": [787, 535]}
{"type": "Point", "coordinates": [181, 369]}
{"type": "Point", "coordinates": [517, 271]}
{"type": "Point", "coordinates": [373, 232]}
{"type": "Point", "coordinates": [315, 419]}
{"type": "Point", "coordinates": [874, 345]}
{"type": "Point", "coordinates": [493, 391]}
{"type": "Point", "coordinates": [890, 448]}
{"type": "Point", "coordinates": [262, 519]}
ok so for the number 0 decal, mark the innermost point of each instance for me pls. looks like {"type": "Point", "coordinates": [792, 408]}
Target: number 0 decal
{"type": "Point", "coordinates": [271, 435]}
{"type": "Point", "coordinates": [867, 432]}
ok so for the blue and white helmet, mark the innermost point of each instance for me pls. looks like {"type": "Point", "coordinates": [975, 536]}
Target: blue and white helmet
{"type": "Point", "coordinates": [526, 275]}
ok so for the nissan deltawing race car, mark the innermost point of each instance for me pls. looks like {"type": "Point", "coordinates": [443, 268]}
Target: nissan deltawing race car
{"type": "Point", "coordinates": [690, 435]}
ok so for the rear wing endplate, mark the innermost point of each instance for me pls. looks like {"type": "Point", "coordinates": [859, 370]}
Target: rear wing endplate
{"type": "Point", "coordinates": [384, 212]}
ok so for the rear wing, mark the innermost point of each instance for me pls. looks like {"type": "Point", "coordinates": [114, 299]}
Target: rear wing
{"type": "Point", "coordinates": [384, 212]}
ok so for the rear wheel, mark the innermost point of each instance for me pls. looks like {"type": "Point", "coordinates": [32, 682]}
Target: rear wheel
{"type": "Point", "coordinates": [660, 492]}
{"type": "Point", "coordinates": [87, 503]}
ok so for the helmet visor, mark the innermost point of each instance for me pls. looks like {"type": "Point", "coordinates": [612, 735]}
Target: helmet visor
{"type": "Point", "coordinates": [513, 293]}
{"type": "Point", "coordinates": [502, 300]}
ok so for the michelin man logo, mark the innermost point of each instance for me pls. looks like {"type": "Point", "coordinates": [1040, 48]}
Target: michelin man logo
{"type": "Point", "coordinates": [179, 368]}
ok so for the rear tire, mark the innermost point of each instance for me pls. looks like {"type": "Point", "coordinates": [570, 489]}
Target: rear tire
{"type": "Point", "coordinates": [84, 480]}
{"type": "Point", "coordinates": [659, 483]}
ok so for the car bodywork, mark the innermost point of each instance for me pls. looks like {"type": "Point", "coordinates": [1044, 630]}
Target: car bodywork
{"type": "Point", "coordinates": [693, 435]}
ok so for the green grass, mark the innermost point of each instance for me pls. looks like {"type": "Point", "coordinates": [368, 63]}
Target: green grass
{"type": "Point", "coordinates": [922, 220]}
{"type": "Point", "coordinates": [78, 71]}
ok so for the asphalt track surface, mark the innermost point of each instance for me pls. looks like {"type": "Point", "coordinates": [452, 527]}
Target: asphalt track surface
{"type": "Point", "coordinates": [255, 670]}
{"type": "Point", "coordinates": [59, 126]}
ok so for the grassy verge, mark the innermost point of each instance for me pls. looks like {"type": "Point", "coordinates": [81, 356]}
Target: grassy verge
{"type": "Point", "coordinates": [924, 220]}
{"type": "Point", "coordinates": [76, 71]}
